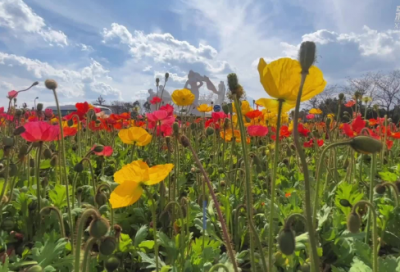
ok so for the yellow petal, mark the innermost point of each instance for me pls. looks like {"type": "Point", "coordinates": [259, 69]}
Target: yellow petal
{"type": "Point", "coordinates": [136, 171]}
{"type": "Point", "coordinates": [125, 194]}
{"type": "Point", "coordinates": [267, 79]}
{"type": "Point", "coordinates": [135, 135]}
{"type": "Point", "coordinates": [158, 173]}
{"type": "Point", "coordinates": [272, 105]}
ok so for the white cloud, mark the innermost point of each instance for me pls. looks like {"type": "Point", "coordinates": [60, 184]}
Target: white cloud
{"type": "Point", "coordinates": [85, 47]}
{"type": "Point", "coordinates": [21, 20]}
{"type": "Point", "coordinates": [86, 83]}
{"type": "Point", "coordinates": [164, 48]}
{"type": "Point", "coordinates": [147, 68]}
{"type": "Point", "coordinates": [173, 77]}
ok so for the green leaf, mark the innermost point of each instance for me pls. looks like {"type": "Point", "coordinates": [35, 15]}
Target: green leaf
{"type": "Point", "coordinates": [388, 176]}
{"type": "Point", "coordinates": [50, 252]}
{"type": "Point", "coordinates": [4, 267]}
{"type": "Point", "coordinates": [124, 242]}
{"type": "Point", "coordinates": [45, 164]}
{"type": "Point", "coordinates": [389, 264]}
{"type": "Point", "coordinates": [150, 261]}
{"type": "Point", "coordinates": [58, 196]}
{"type": "Point", "coordinates": [149, 244]}
{"type": "Point", "coordinates": [363, 252]}
{"type": "Point", "coordinates": [141, 234]}
{"type": "Point", "coordinates": [359, 266]}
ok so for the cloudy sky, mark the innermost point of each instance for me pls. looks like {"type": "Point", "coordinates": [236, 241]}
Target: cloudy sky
{"type": "Point", "coordinates": [117, 48]}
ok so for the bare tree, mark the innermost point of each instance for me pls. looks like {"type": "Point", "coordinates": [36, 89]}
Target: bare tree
{"type": "Point", "coordinates": [119, 107]}
{"type": "Point", "coordinates": [364, 85]}
{"type": "Point", "coordinates": [388, 89]}
{"type": "Point", "coordinates": [99, 101]}
{"type": "Point", "coordinates": [329, 92]}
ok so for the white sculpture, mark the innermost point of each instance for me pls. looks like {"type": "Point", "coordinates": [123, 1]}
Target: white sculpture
{"type": "Point", "coordinates": [193, 80]}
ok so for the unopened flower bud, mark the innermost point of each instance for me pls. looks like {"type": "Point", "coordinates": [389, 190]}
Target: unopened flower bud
{"type": "Point", "coordinates": [8, 141]}
{"type": "Point", "coordinates": [345, 203]}
{"type": "Point", "coordinates": [53, 161]}
{"type": "Point", "coordinates": [98, 148]}
{"type": "Point", "coordinates": [307, 55]}
{"type": "Point", "coordinates": [39, 107]}
{"type": "Point", "coordinates": [108, 245]}
{"type": "Point", "coordinates": [353, 222]}
{"type": "Point", "coordinates": [112, 264]}
{"type": "Point", "coordinates": [380, 189]}
{"type": "Point", "coordinates": [70, 122]}
{"type": "Point", "coordinates": [286, 241]}
{"type": "Point", "coordinates": [166, 76]}
{"type": "Point", "coordinates": [210, 131]}
{"type": "Point", "coordinates": [366, 145]}
{"type": "Point", "coordinates": [341, 96]}
{"type": "Point", "coordinates": [175, 128]}
{"type": "Point", "coordinates": [78, 167]}
{"type": "Point", "coordinates": [51, 84]}
{"type": "Point", "coordinates": [225, 108]}
{"type": "Point", "coordinates": [47, 154]}
{"type": "Point", "coordinates": [157, 81]}
{"type": "Point", "coordinates": [99, 227]}
{"type": "Point", "coordinates": [233, 82]}
{"type": "Point", "coordinates": [184, 141]}
{"type": "Point", "coordinates": [100, 199]}
{"type": "Point", "coordinates": [19, 130]}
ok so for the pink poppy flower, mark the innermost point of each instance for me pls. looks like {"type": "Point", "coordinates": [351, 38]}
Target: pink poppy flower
{"type": "Point", "coordinates": [310, 116]}
{"type": "Point", "coordinates": [40, 132]}
{"type": "Point", "coordinates": [257, 130]}
{"type": "Point", "coordinates": [12, 94]}
{"type": "Point", "coordinates": [107, 151]}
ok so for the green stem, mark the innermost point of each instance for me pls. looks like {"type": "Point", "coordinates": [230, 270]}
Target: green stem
{"type": "Point", "coordinates": [59, 217]}
{"type": "Point", "coordinates": [307, 187]}
{"type": "Point", "coordinates": [37, 177]}
{"type": "Point", "coordinates": [216, 267]}
{"type": "Point", "coordinates": [396, 192]}
{"type": "Point", "coordinates": [154, 218]}
{"type": "Point", "coordinates": [88, 247]}
{"type": "Point", "coordinates": [371, 193]}
{"type": "Point", "coordinates": [93, 178]}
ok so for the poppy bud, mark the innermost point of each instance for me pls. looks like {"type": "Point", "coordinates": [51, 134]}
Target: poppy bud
{"type": "Point", "coordinates": [166, 76]}
{"type": "Point", "coordinates": [288, 152]}
{"type": "Point", "coordinates": [39, 107]}
{"type": "Point", "coordinates": [23, 150]}
{"type": "Point", "coordinates": [175, 128]}
{"type": "Point", "coordinates": [380, 189]}
{"type": "Point", "coordinates": [35, 268]}
{"type": "Point", "coordinates": [353, 222]}
{"type": "Point", "coordinates": [112, 264]}
{"type": "Point", "coordinates": [100, 199]}
{"type": "Point", "coordinates": [225, 108]}
{"type": "Point", "coordinates": [345, 203]}
{"type": "Point", "coordinates": [366, 145]}
{"type": "Point", "coordinates": [285, 161]}
{"type": "Point", "coordinates": [157, 81]}
{"type": "Point", "coordinates": [45, 182]}
{"type": "Point", "coordinates": [51, 84]}
{"type": "Point", "coordinates": [168, 142]}
{"type": "Point", "coordinates": [117, 230]}
{"type": "Point", "coordinates": [307, 55]}
{"type": "Point", "coordinates": [108, 245]}
{"type": "Point", "coordinates": [47, 154]}
{"type": "Point", "coordinates": [98, 148]}
{"type": "Point", "coordinates": [8, 141]}
{"type": "Point", "coordinates": [341, 96]}
{"type": "Point", "coordinates": [19, 130]}
{"type": "Point", "coordinates": [70, 122]}
{"type": "Point", "coordinates": [53, 161]}
{"type": "Point", "coordinates": [233, 82]}
{"type": "Point", "coordinates": [293, 147]}
{"type": "Point", "coordinates": [286, 241]}
{"type": "Point", "coordinates": [222, 183]}
{"type": "Point", "coordinates": [78, 167]}
{"type": "Point", "coordinates": [99, 227]}
{"type": "Point", "coordinates": [305, 267]}
{"type": "Point", "coordinates": [184, 141]}
{"type": "Point", "coordinates": [210, 131]}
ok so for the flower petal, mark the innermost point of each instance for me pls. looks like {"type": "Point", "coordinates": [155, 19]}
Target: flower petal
{"type": "Point", "coordinates": [125, 194]}
{"type": "Point", "coordinates": [158, 173]}
{"type": "Point", "coordinates": [136, 171]}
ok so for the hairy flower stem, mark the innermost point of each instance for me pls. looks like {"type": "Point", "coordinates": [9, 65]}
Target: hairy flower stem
{"type": "Point", "coordinates": [88, 247]}
{"type": "Point", "coordinates": [225, 232]}
{"type": "Point", "coordinates": [249, 197]}
{"type": "Point", "coordinates": [79, 233]}
{"type": "Point", "coordinates": [59, 217]}
{"type": "Point", "coordinates": [93, 178]}
{"type": "Point", "coordinates": [395, 192]}
{"type": "Point", "coordinates": [318, 175]}
{"type": "Point", "coordinates": [154, 218]}
{"type": "Point", "coordinates": [64, 161]}
{"type": "Point", "coordinates": [307, 187]}
{"type": "Point", "coordinates": [371, 194]}
{"type": "Point", "coordinates": [37, 177]}
{"type": "Point", "coordinates": [272, 197]}
{"type": "Point", "coordinates": [374, 232]}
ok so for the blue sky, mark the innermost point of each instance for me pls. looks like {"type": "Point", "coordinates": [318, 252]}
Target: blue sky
{"type": "Point", "coordinates": [117, 48]}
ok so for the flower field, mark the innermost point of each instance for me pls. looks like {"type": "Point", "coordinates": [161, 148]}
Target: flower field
{"type": "Point", "coordinates": [240, 187]}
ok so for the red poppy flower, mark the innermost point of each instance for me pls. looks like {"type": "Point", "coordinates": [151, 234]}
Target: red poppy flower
{"type": "Point", "coordinates": [253, 114]}
{"type": "Point", "coordinates": [168, 108]}
{"type": "Point", "coordinates": [310, 143]}
{"type": "Point", "coordinates": [350, 104]}
{"type": "Point", "coordinates": [211, 123]}
{"type": "Point", "coordinates": [107, 151]}
{"type": "Point", "coordinates": [389, 144]}
{"type": "Point", "coordinates": [155, 100]}
{"type": "Point", "coordinates": [164, 130]}
{"type": "Point", "coordinates": [284, 133]}
{"type": "Point", "coordinates": [372, 122]}
{"type": "Point", "coordinates": [356, 126]}
{"type": "Point", "coordinates": [1, 110]}
{"type": "Point", "coordinates": [218, 115]}
{"type": "Point", "coordinates": [257, 130]}
{"type": "Point", "coordinates": [69, 131]}
{"type": "Point", "coordinates": [82, 107]}
{"type": "Point", "coordinates": [310, 116]}
{"type": "Point", "coordinates": [160, 116]}
{"type": "Point", "coordinates": [302, 130]}
{"type": "Point", "coordinates": [395, 135]}
{"type": "Point", "coordinates": [40, 132]}
{"type": "Point", "coordinates": [287, 195]}
{"type": "Point", "coordinates": [12, 94]}
{"type": "Point", "coordinates": [48, 113]}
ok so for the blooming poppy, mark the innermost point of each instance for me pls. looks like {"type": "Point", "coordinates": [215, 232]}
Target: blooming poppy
{"type": "Point", "coordinates": [310, 116]}
{"type": "Point", "coordinates": [287, 195]}
{"type": "Point", "coordinates": [12, 94]}
{"type": "Point", "coordinates": [107, 151]}
{"type": "Point", "coordinates": [183, 97]}
{"type": "Point", "coordinates": [69, 131]}
{"type": "Point", "coordinates": [350, 104]}
{"type": "Point", "coordinates": [155, 100]}
{"type": "Point", "coordinates": [315, 111]}
{"type": "Point", "coordinates": [131, 179]}
{"type": "Point", "coordinates": [284, 132]}
{"type": "Point", "coordinates": [254, 114]}
{"type": "Point", "coordinates": [281, 80]}
{"type": "Point", "coordinates": [168, 108]}
{"type": "Point", "coordinates": [389, 144]}
{"type": "Point", "coordinates": [159, 116]}
{"type": "Point", "coordinates": [135, 135]}
{"type": "Point", "coordinates": [302, 130]}
{"type": "Point", "coordinates": [310, 143]}
{"type": "Point", "coordinates": [245, 107]}
{"type": "Point", "coordinates": [48, 113]}
{"type": "Point", "coordinates": [204, 108]}
{"type": "Point", "coordinates": [257, 130]}
{"type": "Point", "coordinates": [356, 126]}
{"type": "Point", "coordinates": [40, 132]}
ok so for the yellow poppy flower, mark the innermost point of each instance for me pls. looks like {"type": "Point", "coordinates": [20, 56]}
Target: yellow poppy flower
{"type": "Point", "coordinates": [135, 135]}
{"type": "Point", "coordinates": [272, 105]}
{"type": "Point", "coordinates": [315, 111]}
{"type": "Point", "coordinates": [366, 99]}
{"type": "Point", "coordinates": [330, 115]}
{"type": "Point", "coordinates": [281, 79]}
{"type": "Point", "coordinates": [182, 97]}
{"type": "Point", "coordinates": [204, 108]}
{"type": "Point", "coordinates": [131, 179]}
{"type": "Point", "coordinates": [245, 107]}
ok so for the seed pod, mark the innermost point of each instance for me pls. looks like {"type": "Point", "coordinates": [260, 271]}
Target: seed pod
{"type": "Point", "coordinates": [53, 161]}
{"type": "Point", "coordinates": [99, 227]}
{"type": "Point", "coordinates": [51, 84]}
{"type": "Point", "coordinates": [112, 264]}
{"type": "Point", "coordinates": [210, 131]}
{"type": "Point", "coordinates": [47, 154]}
{"type": "Point", "coordinates": [98, 148]}
{"type": "Point", "coordinates": [19, 130]}
{"type": "Point", "coordinates": [7, 224]}
{"type": "Point", "coordinates": [286, 241]}
{"type": "Point", "coordinates": [8, 141]}
{"type": "Point", "coordinates": [366, 145]}
{"type": "Point", "coordinates": [100, 199]}
{"type": "Point", "coordinates": [175, 128]}
{"type": "Point", "coordinates": [184, 141]}
{"type": "Point", "coordinates": [380, 189]}
{"type": "Point", "coordinates": [78, 167]}
{"type": "Point", "coordinates": [35, 268]}
{"type": "Point", "coordinates": [345, 203]}
{"type": "Point", "coordinates": [353, 222]}
{"type": "Point", "coordinates": [307, 55]}
{"type": "Point", "coordinates": [108, 245]}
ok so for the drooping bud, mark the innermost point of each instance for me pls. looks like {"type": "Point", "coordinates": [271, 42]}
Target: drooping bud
{"type": "Point", "coordinates": [19, 130]}
{"type": "Point", "coordinates": [98, 148]}
{"type": "Point", "coordinates": [51, 84]}
{"type": "Point", "coordinates": [112, 264]}
{"type": "Point", "coordinates": [47, 154]}
{"type": "Point", "coordinates": [210, 131]}
{"type": "Point", "coordinates": [307, 55]}
{"type": "Point", "coordinates": [366, 145]}
{"type": "Point", "coordinates": [380, 189]}
{"type": "Point", "coordinates": [353, 222]}
{"type": "Point", "coordinates": [70, 122]}
{"type": "Point", "coordinates": [184, 141]}
{"type": "Point", "coordinates": [108, 245]}
{"type": "Point", "coordinates": [39, 107]}
{"type": "Point", "coordinates": [345, 203]}
{"type": "Point", "coordinates": [286, 241]}
{"type": "Point", "coordinates": [100, 198]}
{"type": "Point", "coordinates": [53, 161]}
{"type": "Point", "coordinates": [99, 227]}
{"type": "Point", "coordinates": [78, 167]}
